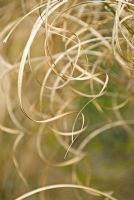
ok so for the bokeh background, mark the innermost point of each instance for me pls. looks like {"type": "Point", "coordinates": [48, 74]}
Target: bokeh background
{"type": "Point", "coordinates": [32, 154]}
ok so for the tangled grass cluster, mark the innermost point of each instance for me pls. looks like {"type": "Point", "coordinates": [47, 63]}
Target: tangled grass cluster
{"type": "Point", "coordinates": [67, 78]}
